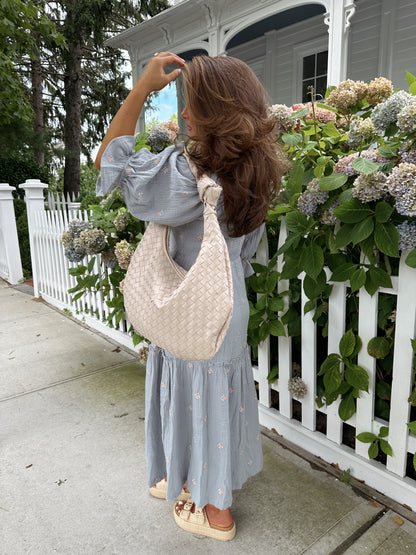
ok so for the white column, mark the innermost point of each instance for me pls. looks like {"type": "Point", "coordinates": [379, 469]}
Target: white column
{"type": "Point", "coordinates": [338, 19]}
{"type": "Point", "coordinates": [9, 238]}
{"type": "Point", "coordinates": [214, 41]}
{"type": "Point", "coordinates": [34, 202]}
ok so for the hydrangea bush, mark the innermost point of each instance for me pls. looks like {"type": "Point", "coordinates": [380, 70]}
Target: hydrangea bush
{"type": "Point", "coordinates": [349, 205]}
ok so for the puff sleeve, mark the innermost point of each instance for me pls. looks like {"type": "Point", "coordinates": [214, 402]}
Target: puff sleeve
{"type": "Point", "coordinates": [251, 242]}
{"type": "Point", "coordinates": [156, 187]}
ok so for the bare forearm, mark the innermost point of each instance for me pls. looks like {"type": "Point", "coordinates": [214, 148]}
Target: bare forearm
{"type": "Point", "coordinates": [124, 122]}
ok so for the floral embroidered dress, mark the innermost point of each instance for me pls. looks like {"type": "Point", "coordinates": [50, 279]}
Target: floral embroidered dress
{"type": "Point", "coordinates": [201, 417]}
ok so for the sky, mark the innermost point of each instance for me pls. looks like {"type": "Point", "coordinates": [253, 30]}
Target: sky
{"type": "Point", "coordinates": [165, 104]}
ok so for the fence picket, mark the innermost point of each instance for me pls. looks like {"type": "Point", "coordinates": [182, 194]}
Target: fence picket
{"type": "Point", "coordinates": [367, 329]}
{"type": "Point", "coordinates": [402, 375]}
{"type": "Point", "coordinates": [262, 257]}
{"type": "Point", "coordinates": [308, 365]}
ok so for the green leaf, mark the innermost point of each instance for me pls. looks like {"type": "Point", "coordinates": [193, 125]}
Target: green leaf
{"type": "Point", "coordinates": [137, 339]}
{"type": "Point", "coordinates": [379, 277]}
{"type": "Point", "coordinates": [383, 390]}
{"type": "Point", "coordinates": [411, 259]}
{"type": "Point", "coordinates": [276, 304]}
{"type": "Point", "coordinates": [346, 407]}
{"type": "Point", "coordinates": [414, 461]}
{"type": "Point", "coordinates": [280, 209]}
{"type": "Point", "coordinates": [331, 362]}
{"type": "Point", "coordinates": [91, 264]}
{"type": "Point", "coordinates": [345, 196]}
{"type": "Point", "coordinates": [312, 260]}
{"type": "Point", "coordinates": [386, 447]}
{"type": "Point", "coordinates": [261, 303]}
{"type": "Point", "coordinates": [343, 236]}
{"type": "Point", "coordinates": [291, 139]}
{"type": "Point", "coordinates": [386, 152]}
{"type": "Point", "coordinates": [412, 89]}
{"type": "Point", "coordinates": [373, 450]}
{"type": "Point", "coordinates": [352, 211]}
{"type": "Point", "coordinates": [277, 328]}
{"type": "Point", "coordinates": [384, 431]}
{"type": "Point", "coordinates": [363, 165]}
{"type": "Point", "coordinates": [378, 347]}
{"type": "Point", "coordinates": [332, 182]}
{"type": "Point", "coordinates": [347, 344]}
{"type": "Point", "coordinates": [356, 376]}
{"type": "Point", "coordinates": [413, 342]}
{"type": "Point", "coordinates": [300, 113]}
{"type": "Point", "coordinates": [313, 288]}
{"type": "Point", "coordinates": [310, 305]}
{"type": "Point", "coordinates": [383, 211]}
{"type": "Point", "coordinates": [357, 279]}
{"type": "Point", "coordinates": [271, 282]}
{"type": "Point", "coordinates": [264, 331]}
{"type": "Point", "coordinates": [78, 271]}
{"type": "Point", "coordinates": [77, 296]}
{"type": "Point", "coordinates": [296, 222]}
{"type": "Point", "coordinates": [330, 130]}
{"type": "Point", "coordinates": [412, 427]}
{"type": "Point", "coordinates": [366, 437]}
{"type": "Point", "coordinates": [291, 268]}
{"type": "Point", "coordinates": [343, 271]}
{"type": "Point", "coordinates": [274, 374]}
{"type": "Point", "coordinates": [410, 78]}
{"type": "Point", "coordinates": [386, 238]}
{"type": "Point", "coordinates": [332, 380]}
{"type": "Point", "coordinates": [362, 230]}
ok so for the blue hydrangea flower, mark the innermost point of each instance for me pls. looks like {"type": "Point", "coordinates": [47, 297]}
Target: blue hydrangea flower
{"type": "Point", "coordinates": [387, 111]}
{"type": "Point", "coordinates": [407, 232]}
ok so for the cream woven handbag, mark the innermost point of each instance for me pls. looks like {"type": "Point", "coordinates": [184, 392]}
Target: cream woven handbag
{"type": "Point", "coordinates": [185, 312]}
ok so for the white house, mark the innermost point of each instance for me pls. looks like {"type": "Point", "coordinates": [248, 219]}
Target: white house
{"type": "Point", "coordinates": [290, 44]}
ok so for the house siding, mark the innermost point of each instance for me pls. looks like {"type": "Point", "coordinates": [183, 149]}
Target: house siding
{"type": "Point", "coordinates": [404, 43]}
{"type": "Point", "coordinates": [254, 54]}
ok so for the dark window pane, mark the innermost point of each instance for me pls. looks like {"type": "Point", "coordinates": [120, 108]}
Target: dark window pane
{"type": "Point", "coordinates": [322, 63]}
{"type": "Point", "coordinates": [306, 92]}
{"type": "Point", "coordinates": [320, 88]}
{"type": "Point", "coordinates": [308, 66]}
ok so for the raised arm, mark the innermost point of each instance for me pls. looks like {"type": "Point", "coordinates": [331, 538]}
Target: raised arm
{"type": "Point", "coordinates": [153, 79]}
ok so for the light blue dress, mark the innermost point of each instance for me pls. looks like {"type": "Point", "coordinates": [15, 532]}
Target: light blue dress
{"type": "Point", "coordinates": [201, 417]}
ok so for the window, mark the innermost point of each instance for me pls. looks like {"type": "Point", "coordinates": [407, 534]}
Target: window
{"type": "Point", "coordinates": [314, 74]}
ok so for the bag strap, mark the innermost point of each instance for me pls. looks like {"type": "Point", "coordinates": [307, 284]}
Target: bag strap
{"type": "Point", "coordinates": [209, 191]}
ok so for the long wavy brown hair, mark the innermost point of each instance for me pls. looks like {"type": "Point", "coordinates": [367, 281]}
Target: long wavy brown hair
{"type": "Point", "coordinates": [234, 138]}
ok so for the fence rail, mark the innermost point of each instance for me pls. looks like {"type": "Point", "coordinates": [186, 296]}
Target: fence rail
{"type": "Point", "coordinates": [319, 430]}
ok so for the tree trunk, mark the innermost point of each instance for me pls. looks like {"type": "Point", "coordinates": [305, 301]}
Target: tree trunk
{"type": "Point", "coordinates": [73, 88]}
{"type": "Point", "coordinates": [37, 103]}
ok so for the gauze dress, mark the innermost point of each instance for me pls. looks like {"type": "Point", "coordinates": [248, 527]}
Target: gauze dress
{"type": "Point", "coordinates": [201, 417]}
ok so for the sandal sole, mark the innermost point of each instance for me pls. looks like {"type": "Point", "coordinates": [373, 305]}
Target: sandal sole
{"type": "Point", "coordinates": [223, 535]}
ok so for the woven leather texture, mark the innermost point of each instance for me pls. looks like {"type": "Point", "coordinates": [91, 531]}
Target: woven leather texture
{"type": "Point", "coordinates": [185, 312]}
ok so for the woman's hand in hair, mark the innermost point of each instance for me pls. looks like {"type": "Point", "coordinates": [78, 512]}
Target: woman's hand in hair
{"type": "Point", "coordinates": [154, 77]}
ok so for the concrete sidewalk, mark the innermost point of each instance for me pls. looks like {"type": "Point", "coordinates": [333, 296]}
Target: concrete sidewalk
{"type": "Point", "coordinates": [73, 470]}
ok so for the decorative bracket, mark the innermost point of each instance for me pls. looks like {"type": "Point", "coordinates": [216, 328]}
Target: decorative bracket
{"type": "Point", "coordinates": [349, 12]}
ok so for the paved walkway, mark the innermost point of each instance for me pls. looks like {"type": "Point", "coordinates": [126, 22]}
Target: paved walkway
{"type": "Point", "coordinates": [73, 471]}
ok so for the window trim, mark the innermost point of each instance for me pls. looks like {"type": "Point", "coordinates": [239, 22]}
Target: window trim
{"type": "Point", "coordinates": [299, 52]}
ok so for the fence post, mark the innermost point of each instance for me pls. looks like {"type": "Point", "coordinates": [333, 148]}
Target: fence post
{"type": "Point", "coordinates": [34, 202]}
{"type": "Point", "coordinates": [13, 272]}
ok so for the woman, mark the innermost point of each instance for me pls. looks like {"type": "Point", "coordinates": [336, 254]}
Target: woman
{"type": "Point", "coordinates": [202, 430]}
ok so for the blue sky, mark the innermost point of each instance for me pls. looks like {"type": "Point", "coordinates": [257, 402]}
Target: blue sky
{"type": "Point", "coordinates": [164, 104]}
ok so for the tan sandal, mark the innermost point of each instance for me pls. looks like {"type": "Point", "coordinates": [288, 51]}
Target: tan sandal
{"type": "Point", "coordinates": [198, 522]}
{"type": "Point", "coordinates": [159, 491]}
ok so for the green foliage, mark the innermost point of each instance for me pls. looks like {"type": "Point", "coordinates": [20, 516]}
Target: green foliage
{"type": "Point", "coordinates": [376, 442]}
{"type": "Point", "coordinates": [347, 385]}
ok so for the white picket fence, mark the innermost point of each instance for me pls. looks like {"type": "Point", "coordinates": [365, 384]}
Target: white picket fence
{"type": "Point", "coordinates": [52, 281]}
